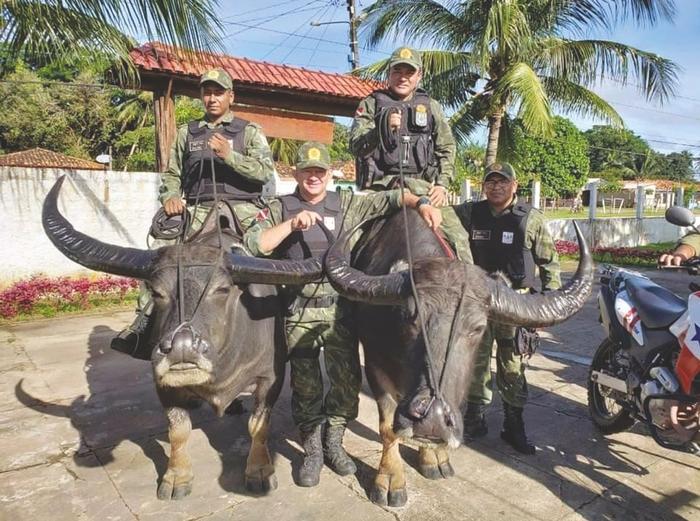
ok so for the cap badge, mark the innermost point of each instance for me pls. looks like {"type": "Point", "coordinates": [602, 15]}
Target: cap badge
{"type": "Point", "coordinates": [405, 53]}
{"type": "Point", "coordinates": [314, 154]}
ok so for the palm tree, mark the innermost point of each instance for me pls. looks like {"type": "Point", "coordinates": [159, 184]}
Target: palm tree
{"type": "Point", "coordinates": [51, 30]}
{"type": "Point", "coordinates": [501, 57]}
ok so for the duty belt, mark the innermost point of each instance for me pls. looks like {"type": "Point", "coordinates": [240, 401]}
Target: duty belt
{"type": "Point", "coordinates": [315, 302]}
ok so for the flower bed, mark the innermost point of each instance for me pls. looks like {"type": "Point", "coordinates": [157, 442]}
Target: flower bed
{"type": "Point", "coordinates": [45, 296]}
{"type": "Point", "coordinates": [638, 256]}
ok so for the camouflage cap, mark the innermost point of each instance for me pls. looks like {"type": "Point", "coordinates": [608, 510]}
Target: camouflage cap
{"type": "Point", "coordinates": [313, 154]}
{"type": "Point", "coordinates": [504, 169]}
{"type": "Point", "coordinates": [406, 55]}
{"type": "Point", "coordinates": [218, 76]}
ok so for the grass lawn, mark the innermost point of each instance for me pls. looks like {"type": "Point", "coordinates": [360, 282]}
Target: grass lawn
{"type": "Point", "coordinates": [566, 213]}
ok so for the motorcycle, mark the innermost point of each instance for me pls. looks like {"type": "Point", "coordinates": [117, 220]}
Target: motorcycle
{"type": "Point", "coordinates": [648, 367]}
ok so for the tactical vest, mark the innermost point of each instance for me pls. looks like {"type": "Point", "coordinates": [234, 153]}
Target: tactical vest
{"type": "Point", "coordinates": [498, 243]}
{"type": "Point", "coordinates": [198, 158]}
{"type": "Point", "coordinates": [417, 122]}
{"type": "Point", "coordinates": [312, 242]}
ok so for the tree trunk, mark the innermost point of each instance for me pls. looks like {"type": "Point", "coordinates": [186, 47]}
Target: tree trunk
{"type": "Point", "coordinates": [164, 109]}
{"type": "Point", "coordinates": [494, 131]}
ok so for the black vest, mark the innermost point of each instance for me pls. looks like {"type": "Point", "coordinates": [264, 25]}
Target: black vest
{"type": "Point", "coordinates": [312, 242]}
{"type": "Point", "coordinates": [418, 123]}
{"type": "Point", "coordinates": [198, 156]}
{"type": "Point", "coordinates": [498, 243]}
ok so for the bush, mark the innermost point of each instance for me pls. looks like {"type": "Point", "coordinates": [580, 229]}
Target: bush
{"type": "Point", "coordinates": [44, 296]}
{"type": "Point", "coordinates": [637, 256]}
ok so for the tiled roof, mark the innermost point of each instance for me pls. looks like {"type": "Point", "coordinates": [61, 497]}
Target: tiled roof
{"type": "Point", "coordinates": [159, 57]}
{"type": "Point", "coordinates": [41, 158]}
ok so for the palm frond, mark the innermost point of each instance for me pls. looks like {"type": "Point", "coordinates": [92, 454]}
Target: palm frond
{"type": "Point", "coordinates": [572, 98]}
{"type": "Point", "coordinates": [49, 30]}
{"type": "Point", "coordinates": [465, 120]}
{"type": "Point", "coordinates": [521, 85]}
{"type": "Point", "coordinates": [449, 76]}
{"type": "Point", "coordinates": [589, 61]}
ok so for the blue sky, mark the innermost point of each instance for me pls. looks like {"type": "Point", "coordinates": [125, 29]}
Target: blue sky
{"type": "Point", "coordinates": [280, 32]}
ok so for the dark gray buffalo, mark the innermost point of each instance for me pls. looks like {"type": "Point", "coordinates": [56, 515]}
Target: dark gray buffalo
{"type": "Point", "coordinates": [419, 389]}
{"type": "Point", "coordinates": [217, 330]}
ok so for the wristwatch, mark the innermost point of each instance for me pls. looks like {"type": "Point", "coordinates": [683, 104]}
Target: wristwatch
{"type": "Point", "coordinates": [422, 200]}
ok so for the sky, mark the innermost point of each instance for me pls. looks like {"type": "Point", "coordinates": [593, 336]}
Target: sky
{"type": "Point", "coordinates": [281, 32]}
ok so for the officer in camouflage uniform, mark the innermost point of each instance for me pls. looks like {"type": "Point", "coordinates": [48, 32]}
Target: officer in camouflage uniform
{"type": "Point", "coordinates": [316, 315]}
{"type": "Point", "coordinates": [511, 237]}
{"type": "Point", "coordinates": [242, 164]}
{"type": "Point", "coordinates": [403, 110]}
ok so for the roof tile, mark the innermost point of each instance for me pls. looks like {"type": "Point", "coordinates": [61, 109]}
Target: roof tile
{"type": "Point", "coordinates": [42, 158]}
{"type": "Point", "coordinates": [157, 56]}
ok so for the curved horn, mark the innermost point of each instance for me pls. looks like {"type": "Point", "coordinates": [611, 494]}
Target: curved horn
{"type": "Point", "coordinates": [353, 284]}
{"type": "Point", "coordinates": [248, 270]}
{"type": "Point", "coordinates": [91, 253]}
{"type": "Point", "coordinates": [514, 308]}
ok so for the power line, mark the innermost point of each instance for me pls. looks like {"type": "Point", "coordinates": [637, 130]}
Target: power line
{"type": "Point", "coordinates": [637, 85]}
{"type": "Point", "coordinates": [648, 109]}
{"type": "Point", "coordinates": [325, 29]}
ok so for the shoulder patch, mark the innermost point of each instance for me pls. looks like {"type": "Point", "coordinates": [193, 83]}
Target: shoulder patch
{"type": "Point", "coordinates": [360, 110]}
{"type": "Point", "coordinates": [262, 215]}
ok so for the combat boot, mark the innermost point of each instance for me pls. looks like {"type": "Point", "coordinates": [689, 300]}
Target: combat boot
{"type": "Point", "coordinates": [513, 431]}
{"type": "Point", "coordinates": [333, 452]}
{"type": "Point", "coordinates": [310, 470]}
{"type": "Point", "coordinates": [134, 340]}
{"type": "Point", "coordinates": [475, 421]}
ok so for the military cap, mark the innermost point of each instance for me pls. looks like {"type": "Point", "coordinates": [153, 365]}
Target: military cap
{"type": "Point", "coordinates": [313, 154]}
{"type": "Point", "coordinates": [505, 169]}
{"type": "Point", "coordinates": [406, 55]}
{"type": "Point", "coordinates": [218, 76]}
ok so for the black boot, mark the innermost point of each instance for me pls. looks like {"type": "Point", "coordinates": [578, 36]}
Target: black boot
{"type": "Point", "coordinates": [513, 431]}
{"type": "Point", "coordinates": [475, 421]}
{"type": "Point", "coordinates": [333, 452]}
{"type": "Point", "coordinates": [135, 340]}
{"type": "Point", "coordinates": [310, 470]}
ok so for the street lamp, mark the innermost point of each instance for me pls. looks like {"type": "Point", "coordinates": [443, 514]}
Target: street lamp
{"type": "Point", "coordinates": [354, 21]}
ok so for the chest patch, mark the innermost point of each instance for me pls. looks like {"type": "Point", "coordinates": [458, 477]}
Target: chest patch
{"type": "Point", "coordinates": [481, 235]}
{"type": "Point", "coordinates": [507, 238]}
{"type": "Point", "coordinates": [196, 145]}
{"type": "Point", "coordinates": [329, 222]}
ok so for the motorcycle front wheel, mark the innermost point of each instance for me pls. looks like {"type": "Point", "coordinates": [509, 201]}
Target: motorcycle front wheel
{"type": "Point", "coordinates": [608, 415]}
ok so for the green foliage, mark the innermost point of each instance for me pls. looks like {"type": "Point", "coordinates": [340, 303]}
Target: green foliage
{"type": "Point", "coordinates": [339, 150]}
{"type": "Point", "coordinates": [610, 186]}
{"type": "Point", "coordinates": [677, 166]}
{"type": "Point", "coordinates": [614, 148]}
{"type": "Point", "coordinates": [560, 162]}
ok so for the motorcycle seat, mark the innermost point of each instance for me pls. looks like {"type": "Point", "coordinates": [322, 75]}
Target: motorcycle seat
{"type": "Point", "coordinates": [657, 306]}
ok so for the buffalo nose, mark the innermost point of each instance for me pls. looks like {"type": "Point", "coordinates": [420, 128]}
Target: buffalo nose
{"type": "Point", "coordinates": [183, 340]}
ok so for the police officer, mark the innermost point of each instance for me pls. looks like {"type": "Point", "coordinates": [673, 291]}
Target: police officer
{"type": "Point", "coordinates": [511, 237]}
{"type": "Point", "coordinates": [316, 315]}
{"type": "Point", "coordinates": [403, 129]}
{"type": "Point", "coordinates": [242, 163]}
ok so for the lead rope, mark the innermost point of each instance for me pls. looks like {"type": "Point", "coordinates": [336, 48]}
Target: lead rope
{"type": "Point", "coordinates": [432, 380]}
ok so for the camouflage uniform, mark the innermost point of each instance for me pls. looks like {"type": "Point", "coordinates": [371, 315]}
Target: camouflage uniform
{"type": "Point", "coordinates": [364, 138]}
{"type": "Point", "coordinates": [255, 165]}
{"type": "Point", "coordinates": [510, 368]}
{"type": "Point", "coordinates": [692, 239]}
{"type": "Point", "coordinates": [309, 328]}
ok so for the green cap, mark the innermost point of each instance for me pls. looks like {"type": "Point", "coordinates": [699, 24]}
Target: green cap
{"type": "Point", "coordinates": [218, 76]}
{"type": "Point", "coordinates": [313, 154]}
{"type": "Point", "coordinates": [505, 169]}
{"type": "Point", "coordinates": [406, 55]}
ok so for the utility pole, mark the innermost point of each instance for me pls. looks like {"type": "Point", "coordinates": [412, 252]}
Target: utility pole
{"type": "Point", "coordinates": [354, 51]}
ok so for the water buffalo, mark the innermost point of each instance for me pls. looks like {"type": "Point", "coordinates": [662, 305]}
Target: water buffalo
{"type": "Point", "coordinates": [419, 389]}
{"type": "Point", "coordinates": [217, 330]}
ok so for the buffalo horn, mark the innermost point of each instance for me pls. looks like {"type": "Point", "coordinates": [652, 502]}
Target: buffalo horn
{"type": "Point", "coordinates": [91, 253]}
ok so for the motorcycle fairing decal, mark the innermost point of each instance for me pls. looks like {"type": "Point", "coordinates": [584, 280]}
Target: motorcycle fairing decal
{"type": "Point", "coordinates": [628, 316]}
{"type": "Point", "coordinates": [687, 368]}
{"type": "Point", "coordinates": [692, 339]}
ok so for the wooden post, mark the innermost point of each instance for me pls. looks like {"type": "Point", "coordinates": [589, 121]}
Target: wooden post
{"type": "Point", "coordinates": [164, 111]}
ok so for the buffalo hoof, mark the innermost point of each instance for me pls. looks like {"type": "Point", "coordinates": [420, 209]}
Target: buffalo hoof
{"type": "Point", "coordinates": [260, 484]}
{"type": "Point", "coordinates": [446, 470]}
{"type": "Point", "coordinates": [430, 471]}
{"type": "Point", "coordinates": [383, 497]}
{"type": "Point", "coordinates": [167, 490]}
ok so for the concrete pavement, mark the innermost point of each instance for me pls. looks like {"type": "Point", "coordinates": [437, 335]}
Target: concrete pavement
{"type": "Point", "coordinates": [83, 436]}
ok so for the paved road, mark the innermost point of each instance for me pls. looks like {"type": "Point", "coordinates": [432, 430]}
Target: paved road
{"type": "Point", "coordinates": [82, 436]}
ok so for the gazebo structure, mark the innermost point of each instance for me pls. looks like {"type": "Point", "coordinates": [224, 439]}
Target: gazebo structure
{"type": "Point", "coordinates": [288, 102]}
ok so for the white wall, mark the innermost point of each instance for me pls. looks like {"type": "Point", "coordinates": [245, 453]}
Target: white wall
{"type": "Point", "coordinates": [617, 232]}
{"type": "Point", "coordinates": [115, 207]}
